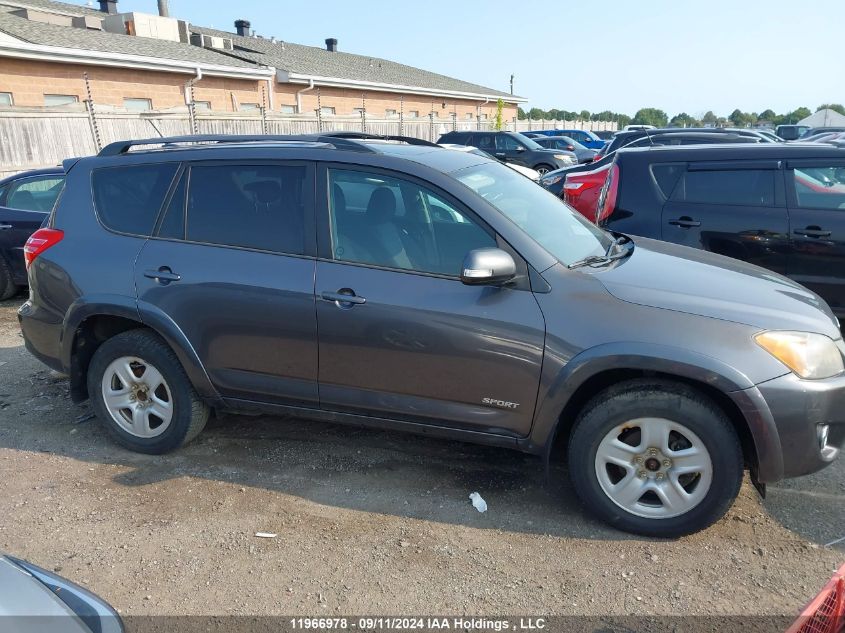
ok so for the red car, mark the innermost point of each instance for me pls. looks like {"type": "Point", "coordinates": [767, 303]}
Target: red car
{"type": "Point", "coordinates": [581, 190]}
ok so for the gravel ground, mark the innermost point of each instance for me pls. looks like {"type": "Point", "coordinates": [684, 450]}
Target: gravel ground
{"type": "Point", "coordinates": [367, 522]}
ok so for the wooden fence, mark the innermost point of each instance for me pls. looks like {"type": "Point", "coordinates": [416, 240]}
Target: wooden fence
{"type": "Point", "coordinates": [31, 138]}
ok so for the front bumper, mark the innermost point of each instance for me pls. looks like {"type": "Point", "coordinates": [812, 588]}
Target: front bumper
{"type": "Point", "coordinates": [785, 414]}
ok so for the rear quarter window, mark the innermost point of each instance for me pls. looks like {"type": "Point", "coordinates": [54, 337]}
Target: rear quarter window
{"type": "Point", "coordinates": [128, 199]}
{"type": "Point", "coordinates": [666, 177]}
{"type": "Point", "coordinates": [740, 187]}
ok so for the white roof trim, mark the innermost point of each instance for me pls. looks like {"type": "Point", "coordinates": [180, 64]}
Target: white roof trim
{"type": "Point", "coordinates": [25, 50]}
{"type": "Point", "coordinates": [284, 76]}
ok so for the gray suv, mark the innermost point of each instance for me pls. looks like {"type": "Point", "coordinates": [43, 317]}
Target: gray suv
{"type": "Point", "coordinates": [404, 286]}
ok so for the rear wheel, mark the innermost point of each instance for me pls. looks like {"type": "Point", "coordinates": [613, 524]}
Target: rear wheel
{"type": "Point", "coordinates": [142, 395]}
{"type": "Point", "coordinates": [543, 169]}
{"type": "Point", "coordinates": [655, 458]}
{"type": "Point", "coordinates": [8, 288]}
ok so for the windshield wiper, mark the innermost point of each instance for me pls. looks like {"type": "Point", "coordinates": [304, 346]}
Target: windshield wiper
{"type": "Point", "coordinates": [611, 254]}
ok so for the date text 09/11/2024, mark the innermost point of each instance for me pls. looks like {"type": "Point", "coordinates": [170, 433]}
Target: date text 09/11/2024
{"type": "Point", "coordinates": [417, 623]}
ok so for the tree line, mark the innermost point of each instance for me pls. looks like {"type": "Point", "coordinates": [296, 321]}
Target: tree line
{"type": "Point", "coordinates": [659, 118]}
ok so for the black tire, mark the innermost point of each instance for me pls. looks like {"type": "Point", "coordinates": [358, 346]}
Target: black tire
{"type": "Point", "coordinates": [8, 288]}
{"type": "Point", "coordinates": [190, 413]}
{"type": "Point", "coordinates": [543, 168]}
{"type": "Point", "coordinates": [662, 399]}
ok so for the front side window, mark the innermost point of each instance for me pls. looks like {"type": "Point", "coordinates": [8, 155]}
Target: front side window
{"type": "Point", "coordinates": [564, 233]}
{"type": "Point", "coordinates": [505, 142]}
{"type": "Point", "coordinates": [128, 199]}
{"type": "Point", "coordinates": [487, 142]}
{"type": "Point", "coordinates": [395, 223]}
{"type": "Point", "coordinates": [261, 207]}
{"type": "Point", "coordinates": [743, 187]}
{"type": "Point", "coordinates": [35, 194]}
{"type": "Point", "coordinates": [821, 187]}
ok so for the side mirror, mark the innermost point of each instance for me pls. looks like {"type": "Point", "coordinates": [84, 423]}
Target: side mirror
{"type": "Point", "coordinates": [571, 148]}
{"type": "Point", "coordinates": [520, 148]}
{"type": "Point", "coordinates": [487, 266]}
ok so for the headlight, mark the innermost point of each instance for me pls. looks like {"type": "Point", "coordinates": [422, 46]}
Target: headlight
{"type": "Point", "coordinates": [809, 355]}
{"type": "Point", "coordinates": [547, 182]}
{"type": "Point", "coordinates": [564, 158]}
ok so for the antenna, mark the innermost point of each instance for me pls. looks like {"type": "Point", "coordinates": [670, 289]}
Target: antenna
{"type": "Point", "coordinates": [650, 141]}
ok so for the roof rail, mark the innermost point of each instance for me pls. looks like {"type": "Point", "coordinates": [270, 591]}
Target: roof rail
{"type": "Point", "coordinates": [364, 136]}
{"type": "Point", "coordinates": [123, 147]}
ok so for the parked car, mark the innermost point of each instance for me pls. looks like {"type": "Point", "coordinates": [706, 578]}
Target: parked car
{"type": "Point", "coordinates": [604, 135]}
{"type": "Point", "coordinates": [815, 131]}
{"type": "Point", "coordinates": [34, 599]}
{"type": "Point", "coordinates": [25, 201]}
{"type": "Point", "coordinates": [587, 138]}
{"type": "Point", "coordinates": [525, 171]}
{"type": "Point", "coordinates": [777, 206]}
{"type": "Point", "coordinates": [554, 180]}
{"type": "Point", "coordinates": [583, 154]}
{"type": "Point", "coordinates": [632, 128]}
{"type": "Point", "coordinates": [791, 132]}
{"type": "Point", "coordinates": [454, 298]}
{"type": "Point", "coordinates": [513, 147]}
{"type": "Point", "coordinates": [694, 136]}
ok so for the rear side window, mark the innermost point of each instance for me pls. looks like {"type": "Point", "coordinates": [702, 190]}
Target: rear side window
{"type": "Point", "coordinates": [744, 187]}
{"type": "Point", "coordinates": [261, 207]}
{"type": "Point", "coordinates": [820, 187]}
{"type": "Point", "coordinates": [128, 199]}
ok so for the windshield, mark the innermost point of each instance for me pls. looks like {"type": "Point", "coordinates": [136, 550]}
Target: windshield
{"type": "Point", "coordinates": [565, 234]}
{"type": "Point", "coordinates": [530, 143]}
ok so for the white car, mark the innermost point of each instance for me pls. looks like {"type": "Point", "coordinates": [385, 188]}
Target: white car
{"type": "Point", "coordinates": [532, 174]}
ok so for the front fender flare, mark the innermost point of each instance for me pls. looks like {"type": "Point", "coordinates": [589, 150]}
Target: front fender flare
{"type": "Point", "coordinates": [664, 359]}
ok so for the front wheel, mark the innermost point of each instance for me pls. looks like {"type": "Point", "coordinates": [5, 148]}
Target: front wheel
{"type": "Point", "coordinates": [655, 458]}
{"type": "Point", "coordinates": [8, 288]}
{"type": "Point", "coordinates": [543, 169]}
{"type": "Point", "coordinates": [142, 395]}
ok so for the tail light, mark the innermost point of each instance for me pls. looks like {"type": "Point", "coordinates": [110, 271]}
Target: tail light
{"type": "Point", "coordinates": [581, 190]}
{"type": "Point", "coordinates": [39, 242]}
{"type": "Point", "coordinates": [609, 192]}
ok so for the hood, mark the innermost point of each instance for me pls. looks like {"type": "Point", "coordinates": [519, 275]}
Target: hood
{"type": "Point", "coordinates": [672, 277]}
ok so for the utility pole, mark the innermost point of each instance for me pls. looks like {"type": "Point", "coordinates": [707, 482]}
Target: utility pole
{"type": "Point", "coordinates": [511, 83]}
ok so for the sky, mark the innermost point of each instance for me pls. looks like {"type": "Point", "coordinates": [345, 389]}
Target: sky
{"type": "Point", "coordinates": [619, 55]}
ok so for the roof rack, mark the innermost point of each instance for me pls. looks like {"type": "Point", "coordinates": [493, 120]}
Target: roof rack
{"type": "Point", "coordinates": [340, 142]}
{"type": "Point", "coordinates": [363, 136]}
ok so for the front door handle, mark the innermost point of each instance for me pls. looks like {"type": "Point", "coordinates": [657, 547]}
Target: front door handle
{"type": "Point", "coordinates": [685, 222]}
{"type": "Point", "coordinates": [343, 298]}
{"type": "Point", "coordinates": [6, 227]}
{"type": "Point", "coordinates": [163, 275]}
{"type": "Point", "coordinates": [812, 231]}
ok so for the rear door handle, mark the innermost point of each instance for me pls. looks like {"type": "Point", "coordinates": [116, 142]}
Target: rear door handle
{"type": "Point", "coordinates": [685, 222]}
{"type": "Point", "coordinates": [812, 231]}
{"type": "Point", "coordinates": [163, 275]}
{"type": "Point", "coordinates": [344, 298]}
{"type": "Point", "coordinates": [6, 227]}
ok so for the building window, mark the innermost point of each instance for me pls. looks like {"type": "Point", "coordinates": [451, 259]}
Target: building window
{"type": "Point", "coordinates": [60, 100]}
{"type": "Point", "coordinates": [137, 105]}
{"type": "Point", "coordinates": [468, 116]}
{"type": "Point", "coordinates": [390, 113]}
{"type": "Point", "coordinates": [358, 111]}
{"type": "Point", "coordinates": [6, 99]}
{"type": "Point", "coordinates": [326, 111]}
{"type": "Point", "coordinates": [202, 105]}
{"type": "Point", "coordinates": [414, 114]}
{"type": "Point", "coordinates": [288, 109]}
{"type": "Point", "coordinates": [483, 117]}
{"type": "Point", "coordinates": [248, 107]}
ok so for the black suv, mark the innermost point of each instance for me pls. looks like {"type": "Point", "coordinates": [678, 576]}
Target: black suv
{"type": "Point", "coordinates": [513, 147]}
{"type": "Point", "coordinates": [780, 206]}
{"type": "Point", "coordinates": [400, 285]}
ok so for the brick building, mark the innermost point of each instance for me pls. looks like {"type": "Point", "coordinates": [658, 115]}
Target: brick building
{"type": "Point", "coordinates": [149, 62]}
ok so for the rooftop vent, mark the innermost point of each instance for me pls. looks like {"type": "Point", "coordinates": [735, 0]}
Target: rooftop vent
{"type": "Point", "coordinates": [143, 25]}
{"type": "Point", "coordinates": [108, 6]}
{"type": "Point", "coordinates": [209, 41]}
{"type": "Point", "coordinates": [331, 45]}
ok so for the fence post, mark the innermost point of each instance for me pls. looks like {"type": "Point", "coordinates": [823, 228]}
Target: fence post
{"type": "Point", "coordinates": [431, 125]}
{"type": "Point", "coordinates": [454, 121]}
{"type": "Point", "coordinates": [401, 115]}
{"type": "Point", "coordinates": [319, 112]}
{"type": "Point", "coordinates": [92, 117]}
{"type": "Point", "coordinates": [364, 113]}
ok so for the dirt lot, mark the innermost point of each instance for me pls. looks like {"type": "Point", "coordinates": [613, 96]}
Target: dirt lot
{"type": "Point", "coordinates": [367, 522]}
